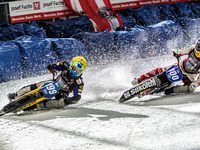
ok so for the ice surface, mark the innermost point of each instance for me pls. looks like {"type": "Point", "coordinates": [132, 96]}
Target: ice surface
{"type": "Point", "coordinates": [99, 122]}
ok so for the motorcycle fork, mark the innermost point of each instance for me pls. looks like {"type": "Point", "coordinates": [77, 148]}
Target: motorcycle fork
{"type": "Point", "coordinates": [163, 78]}
{"type": "Point", "coordinates": [39, 97]}
{"type": "Point", "coordinates": [164, 82]}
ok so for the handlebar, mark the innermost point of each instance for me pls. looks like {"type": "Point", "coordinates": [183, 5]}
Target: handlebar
{"type": "Point", "coordinates": [54, 74]}
{"type": "Point", "coordinates": [178, 59]}
{"type": "Point", "coordinates": [176, 55]}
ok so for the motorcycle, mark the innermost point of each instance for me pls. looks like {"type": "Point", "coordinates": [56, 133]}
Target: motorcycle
{"type": "Point", "coordinates": [155, 84]}
{"type": "Point", "coordinates": [27, 100]}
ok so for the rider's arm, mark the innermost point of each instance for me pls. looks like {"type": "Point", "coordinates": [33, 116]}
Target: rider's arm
{"type": "Point", "coordinates": [77, 91]}
{"type": "Point", "coordinates": [184, 51]}
{"type": "Point", "coordinates": [63, 65]}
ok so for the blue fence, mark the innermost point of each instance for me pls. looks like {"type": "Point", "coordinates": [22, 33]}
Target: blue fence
{"type": "Point", "coordinates": [26, 49]}
{"type": "Point", "coordinates": [10, 62]}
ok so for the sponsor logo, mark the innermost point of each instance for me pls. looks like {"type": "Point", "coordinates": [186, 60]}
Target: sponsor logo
{"type": "Point", "coordinates": [143, 86]}
{"type": "Point", "coordinates": [45, 91]}
{"type": "Point", "coordinates": [57, 85]}
{"type": "Point", "coordinates": [127, 94]}
{"type": "Point", "coordinates": [21, 7]}
{"type": "Point", "coordinates": [24, 107]}
{"type": "Point", "coordinates": [62, 83]}
{"type": "Point", "coordinates": [140, 88]}
{"type": "Point", "coordinates": [53, 3]}
{"type": "Point", "coordinates": [36, 5]}
{"type": "Point", "coordinates": [78, 81]}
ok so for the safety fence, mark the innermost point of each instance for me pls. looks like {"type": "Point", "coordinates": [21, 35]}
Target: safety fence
{"type": "Point", "coordinates": [31, 50]}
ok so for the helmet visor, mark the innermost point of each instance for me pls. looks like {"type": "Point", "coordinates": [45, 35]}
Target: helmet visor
{"type": "Point", "coordinates": [76, 70]}
{"type": "Point", "coordinates": [78, 65]}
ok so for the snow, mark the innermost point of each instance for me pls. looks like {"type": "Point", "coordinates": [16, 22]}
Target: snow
{"type": "Point", "coordinates": [99, 122]}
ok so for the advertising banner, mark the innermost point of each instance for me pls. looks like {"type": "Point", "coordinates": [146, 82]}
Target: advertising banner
{"type": "Point", "coordinates": [30, 10]}
{"type": "Point", "coordinates": [124, 4]}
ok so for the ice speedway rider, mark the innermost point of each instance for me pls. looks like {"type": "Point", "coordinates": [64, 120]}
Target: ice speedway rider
{"type": "Point", "coordinates": [70, 76]}
{"type": "Point", "coordinates": [189, 66]}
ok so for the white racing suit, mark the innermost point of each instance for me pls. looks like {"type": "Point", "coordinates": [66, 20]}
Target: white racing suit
{"type": "Point", "coordinates": [190, 68]}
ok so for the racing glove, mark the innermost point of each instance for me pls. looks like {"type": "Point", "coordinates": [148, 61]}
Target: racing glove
{"type": "Point", "coordinates": [61, 63]}
{"type": "Point", "coordinates": [193, 86]}
{"type": "Point", "coordinates": [175, 53]}
{"type": "Point", "coordinates": [52, 69]}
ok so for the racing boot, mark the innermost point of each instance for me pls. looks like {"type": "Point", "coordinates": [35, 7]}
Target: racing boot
{"type": "Point", "coordinates": [11, 96]}
{"type": "Point", "coordinates": [169, 91]}
{"type": "Point", "coordinates": [135, 81]}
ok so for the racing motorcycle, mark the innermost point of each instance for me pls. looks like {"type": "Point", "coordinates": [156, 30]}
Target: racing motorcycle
{"type": "Point", "coordinates": [47, 91]}
{"type": "Point", "coordinates": [155, 84]}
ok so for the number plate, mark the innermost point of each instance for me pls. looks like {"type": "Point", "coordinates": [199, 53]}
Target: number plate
{"type": "Point", "coordinates": [50, 89]}
{"type": "Point", "coordinates": [174, 74]}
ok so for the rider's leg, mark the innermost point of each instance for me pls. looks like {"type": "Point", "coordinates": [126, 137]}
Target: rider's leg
{"type": "Point", "coordinates": [178, 89]}
{"type": "Point", "coordinates": [53, 104]}
{"type": "Point", "coordinates": [148, 75]}
{"type": "Point", "coordinates": [181, 88]}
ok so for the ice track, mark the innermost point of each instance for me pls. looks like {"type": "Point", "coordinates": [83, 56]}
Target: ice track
{"type": "Point", "coordinates": [99, 122]}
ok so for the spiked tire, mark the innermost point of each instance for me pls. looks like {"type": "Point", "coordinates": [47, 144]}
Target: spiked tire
{"type": "Point", "coordinates": [18, 103]}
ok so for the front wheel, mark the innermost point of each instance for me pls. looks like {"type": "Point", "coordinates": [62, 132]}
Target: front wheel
{"type": "Point", "coordinates": [18, 103]}
{"type": "Point", "coordinates": [2, 112]}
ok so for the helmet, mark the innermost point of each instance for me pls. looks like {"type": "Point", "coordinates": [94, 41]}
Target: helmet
{"type": "Point", "coordinates": [77, 66]}
{"type": "Point", "coordinates": [197, 48]}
